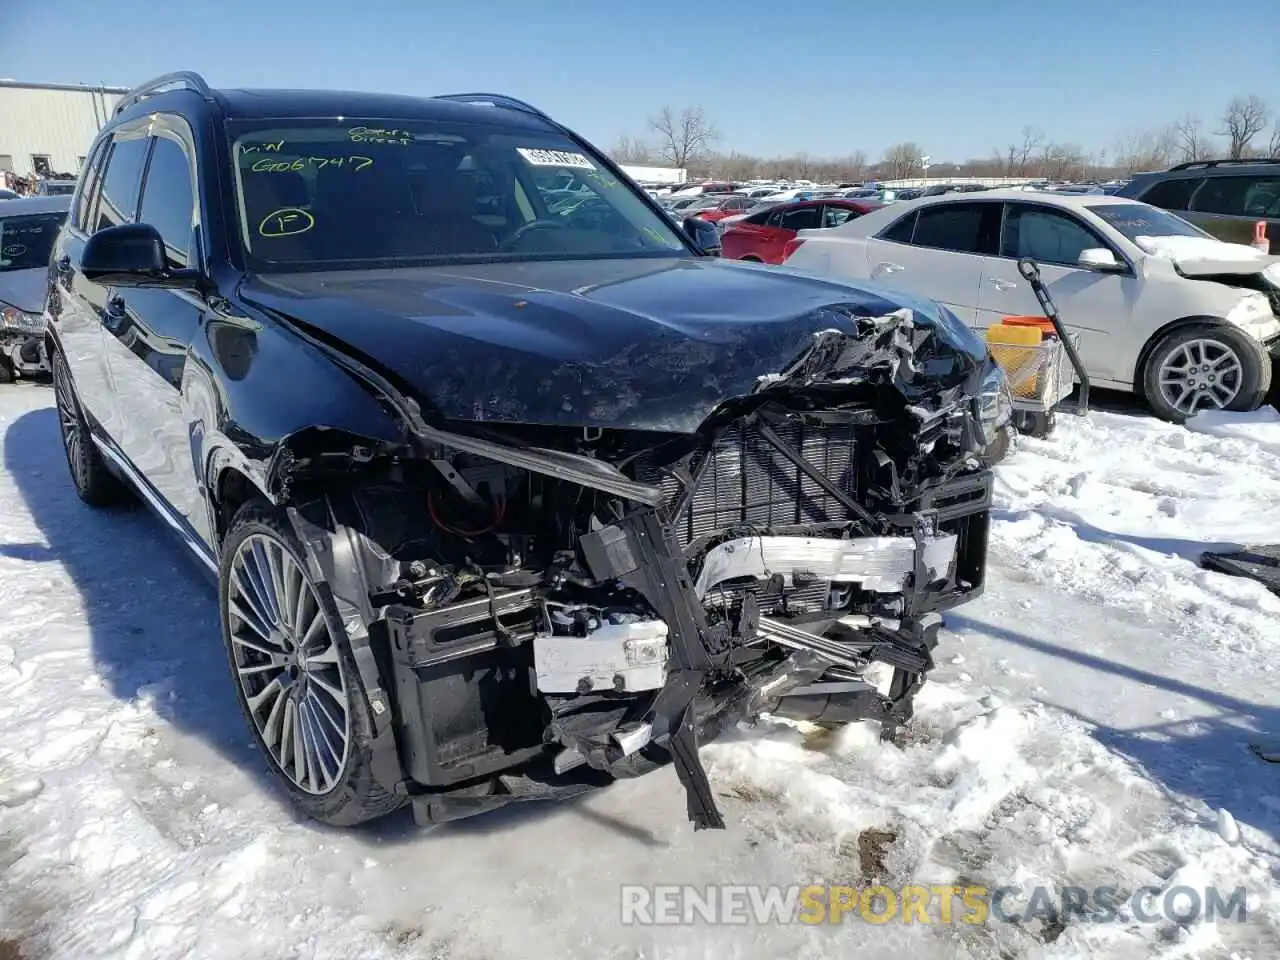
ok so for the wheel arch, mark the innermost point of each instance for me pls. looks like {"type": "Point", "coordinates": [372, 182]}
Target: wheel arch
{"type": "Point", "coordinates": [230, 481]}
{"type": "Point", "coordinates": [1139, 369]}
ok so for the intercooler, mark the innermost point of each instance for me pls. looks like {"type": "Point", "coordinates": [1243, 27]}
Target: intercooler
{"type": "Point", "coordinates": [749, 482]}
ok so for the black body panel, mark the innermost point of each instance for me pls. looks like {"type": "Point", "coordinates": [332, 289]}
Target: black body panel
{"type": "Point", "coordinates": [652, 344]}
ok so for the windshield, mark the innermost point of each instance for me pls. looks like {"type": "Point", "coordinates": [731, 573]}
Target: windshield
{"type": "Point", "coordinates": [359, 192]}
{"type": "Point", "coordinates": [26, 242]}
{"type": "Point", "coordinates": [1142, 220]}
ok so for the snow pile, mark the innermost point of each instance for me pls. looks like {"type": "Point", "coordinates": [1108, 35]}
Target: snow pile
{"type": "Point", "coordinates": [1117, 509]}
{"type": "Point", "coordinates": [1088, 726]}
{"type": "Point", "coordinates": [1198, 248]}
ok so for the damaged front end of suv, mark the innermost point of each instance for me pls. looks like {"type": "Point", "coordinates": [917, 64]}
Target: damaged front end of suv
{"type": "Point", "coordinates": [538, 610]}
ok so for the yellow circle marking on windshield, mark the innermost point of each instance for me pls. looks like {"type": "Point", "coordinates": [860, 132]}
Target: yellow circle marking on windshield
{"type": "Point", "coordinates": [287, 222]}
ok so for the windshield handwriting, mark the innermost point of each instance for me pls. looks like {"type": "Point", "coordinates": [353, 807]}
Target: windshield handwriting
{"type": "Point", "coordinates": [380, 135]}
{"type": "Point", "coordinates": [262, 147]}
{"type": "Point", "coordinates": [269, 165]}
{"type": "Point", "coordinates": [286, 222]}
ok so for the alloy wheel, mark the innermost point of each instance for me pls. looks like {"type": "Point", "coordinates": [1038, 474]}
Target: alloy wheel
{"type": "Point", "coordinates": [288, 665]}
{"type": "Point", "coordinates": [69, 421]}
{"type": "Point", "coordinates": [1201, 375]}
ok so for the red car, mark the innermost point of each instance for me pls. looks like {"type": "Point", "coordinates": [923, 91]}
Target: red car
{"type": "Point", "coordinates": [763, 236]}
{"type": "Point", "coordinates": [715, 207]}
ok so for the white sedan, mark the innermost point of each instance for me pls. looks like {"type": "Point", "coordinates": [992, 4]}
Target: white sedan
{"type": "Point", "coordinates": [1161, 308]}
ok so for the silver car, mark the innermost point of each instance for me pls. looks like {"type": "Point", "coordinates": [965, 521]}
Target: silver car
{"type": "Point", "coordinates": [28, 228]}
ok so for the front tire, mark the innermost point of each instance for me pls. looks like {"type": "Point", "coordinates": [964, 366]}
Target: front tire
{"type": "Point", "coordinates": [294, 674]}
{"type": "Point", "coordinates": [7, 374]}
{"type": "Point", "coordinates": [1205, 367]}
{"type": "Point", "coordinates": [95, 484]}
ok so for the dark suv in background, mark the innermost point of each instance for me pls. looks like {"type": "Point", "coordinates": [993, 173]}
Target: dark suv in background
{"type": "Point", "coordinates": [1226, 198]}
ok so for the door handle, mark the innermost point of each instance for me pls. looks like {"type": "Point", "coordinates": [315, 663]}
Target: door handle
{"type": "Point", "coordinates": [1001, 285]}
{"type": "Point", "coordinates": [888, 269]}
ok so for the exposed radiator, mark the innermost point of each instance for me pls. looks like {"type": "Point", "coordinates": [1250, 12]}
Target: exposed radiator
{"type": "Point", "coordinates": [750, 482]}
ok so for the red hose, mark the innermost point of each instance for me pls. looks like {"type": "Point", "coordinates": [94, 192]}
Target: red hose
{"type": "Point", "coordinates": [499, 513]}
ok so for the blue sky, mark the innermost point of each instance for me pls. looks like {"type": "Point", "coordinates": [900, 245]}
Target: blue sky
{"type": "Point", "coordinates": [827, 77]}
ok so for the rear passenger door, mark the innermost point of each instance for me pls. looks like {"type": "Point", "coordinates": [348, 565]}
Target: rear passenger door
{"type": "Point", "coordinates": [1229, 207]}
{"type": "Point", "coordinates": [107, 198]}
{"type": "Point", "coordinates": [938, 252]}
{"type": "Point", "coordinates": [149, 331]}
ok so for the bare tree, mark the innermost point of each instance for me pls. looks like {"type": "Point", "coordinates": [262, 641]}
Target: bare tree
{"type": "Point", "coordinates": [1273, 148]}
{"type": "Point", "coordinates": [1151, 149]}
{"type": "Point", "coordinates": [1193, 144]}
{"type": "Point", "coordinates": [1061, 161]}
{"type": "Point", "coordinates": [1244, 119]}
{"type": "Point", "coordinates": [683, 136]}
{"type": "Point", "coordinates": [1016, 158]}
{"type": "Point", "coordinates": [900, 159]}
{"type": "Point", "coordinates": [1032, 140]}
{"type": "Point", "coordinates": [632, 150]}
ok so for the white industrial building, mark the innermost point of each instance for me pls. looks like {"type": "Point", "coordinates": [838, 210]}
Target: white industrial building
{"type": "Point", "coordinates": [48, 127]}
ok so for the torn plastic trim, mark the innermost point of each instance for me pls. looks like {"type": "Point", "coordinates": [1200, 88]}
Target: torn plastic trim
{"type": "Point", "coordinates": [879, 564]}
{"type": "Point", "coordinates": [841, 357]}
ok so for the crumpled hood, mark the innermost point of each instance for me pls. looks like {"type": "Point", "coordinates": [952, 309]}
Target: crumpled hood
{"type": "Point", "coordinates": [1204, 256]}
{"type": "Point", "coordinates": [24, 289]}
{"type": "Point", "coordinates": [631, 344]}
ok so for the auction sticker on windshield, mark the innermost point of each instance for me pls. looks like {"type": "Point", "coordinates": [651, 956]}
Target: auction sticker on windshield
{"type": "Point", "coordinates": [555, 158]}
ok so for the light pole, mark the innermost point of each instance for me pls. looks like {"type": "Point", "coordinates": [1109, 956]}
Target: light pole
{"type": "Point", "coordinates": [924, 171]}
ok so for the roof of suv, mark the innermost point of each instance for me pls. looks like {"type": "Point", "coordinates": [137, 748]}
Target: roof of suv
{"type": "Point", "coordinates": [1204, 168]}
{"type": "Point", "coordinates": [253, 104]}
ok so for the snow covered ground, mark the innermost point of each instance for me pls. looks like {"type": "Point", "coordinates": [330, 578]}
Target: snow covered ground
{"type": "Point", "coordinates": [1090, 720]}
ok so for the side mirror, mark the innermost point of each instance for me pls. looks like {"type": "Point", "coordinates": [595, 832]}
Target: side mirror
{"type": "Point", "coordinates": [1100, 259]}
{"type": "Point", "coordinates": [131, 255]}
{"type": "Point", "coordinates": [704, 234]}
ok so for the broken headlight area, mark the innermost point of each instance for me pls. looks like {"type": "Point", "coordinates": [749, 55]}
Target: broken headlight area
{"type": "Point", "coordinates": [566, 607]}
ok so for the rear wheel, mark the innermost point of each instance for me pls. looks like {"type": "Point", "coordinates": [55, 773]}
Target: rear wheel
{"type": "Point", "coordinates": [1206, 367]}
{"type": "Point", "coordinates": [95, 483]}
{"type": "Point", "coordinates": [6, 371]}
{"type": "Point", "coordinates": [295, 677]}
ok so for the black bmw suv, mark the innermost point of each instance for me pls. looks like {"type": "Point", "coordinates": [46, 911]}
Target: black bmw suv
{"type": "Point", "coordinates": [509, 490]}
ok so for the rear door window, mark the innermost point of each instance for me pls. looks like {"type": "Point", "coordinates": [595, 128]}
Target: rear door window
{"type": "Point", "coordinates": [959, 227]}
{"type": "Point", "coordinates": [833, 216]}
{"type": "Point", "coordinates": [901, 231]}
{"type": "Point", "coordinates": [120, 184]}
{"type": "Point", "coordinates": [1238, 196]}
{"type": "Point", "coordinates": [92, 172]}
{"type": "Point", "coordinates": [1172, 194]}
{"type": "Point", "coordinates": [804, 218]}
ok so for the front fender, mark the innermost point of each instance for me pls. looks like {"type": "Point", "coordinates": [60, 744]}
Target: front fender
{"type": "Point", "coordinates": [253, 389]}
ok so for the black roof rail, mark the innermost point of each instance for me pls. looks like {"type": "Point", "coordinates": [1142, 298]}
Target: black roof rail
{"type": "Point", "coordinates": [494, 99]}
{"type": "Point", "coordinates": [184, 79]}
{"type": "Point", "coordinates": [1205, 164]}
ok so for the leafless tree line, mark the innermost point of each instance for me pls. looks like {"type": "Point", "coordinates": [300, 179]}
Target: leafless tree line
{"type": "Point", "coordinates": [687, 137]}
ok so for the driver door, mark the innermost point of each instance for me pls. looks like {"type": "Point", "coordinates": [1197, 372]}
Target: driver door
{"type": "Point", "coordinates": [1095, 306]}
